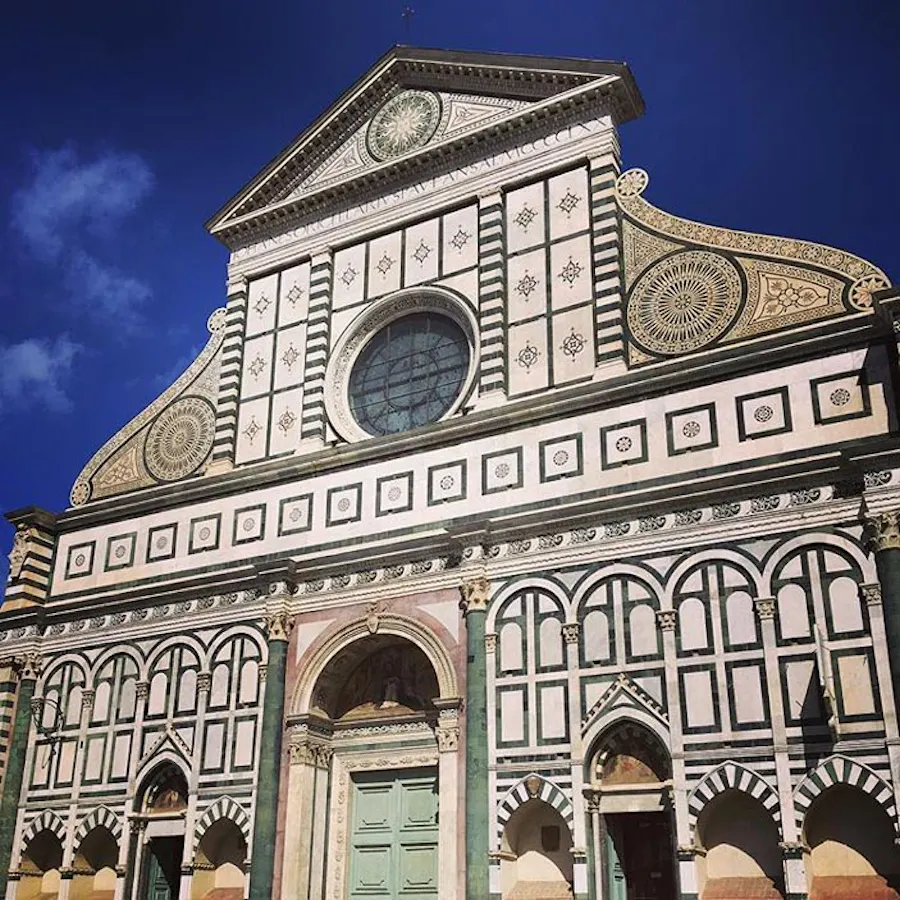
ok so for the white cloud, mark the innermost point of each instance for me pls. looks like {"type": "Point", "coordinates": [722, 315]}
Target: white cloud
{"type": "Point", "coordinates": [66, 195]}
{"type": "Point", "coordinates": [35, 371]}
{"type": "Point", "coordinates": [67, 202]}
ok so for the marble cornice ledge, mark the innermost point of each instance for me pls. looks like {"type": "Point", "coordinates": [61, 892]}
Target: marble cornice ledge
{"type": "Point", "coordinates": [678, 374]}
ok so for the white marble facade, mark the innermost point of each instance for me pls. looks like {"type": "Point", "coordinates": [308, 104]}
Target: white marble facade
{"type": "Point", "coordinates": [665, 442]}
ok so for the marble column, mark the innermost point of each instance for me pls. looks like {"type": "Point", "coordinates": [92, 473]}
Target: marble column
{"type": "Point", "coordinates": [883, 538]}
{"type": "Point", "coordinates": [262, 861]}
{"type": "Point", "coordinates": [28, 668]}
{"type": "Point", "coordinates": [474, 604]}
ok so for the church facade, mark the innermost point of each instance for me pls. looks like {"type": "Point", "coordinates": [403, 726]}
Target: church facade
{"type": "Point", "coordinates": [510, 538]}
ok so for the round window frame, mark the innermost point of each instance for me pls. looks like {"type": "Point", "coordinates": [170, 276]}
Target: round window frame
{"type": "Point", "coordinates": [363, 329]}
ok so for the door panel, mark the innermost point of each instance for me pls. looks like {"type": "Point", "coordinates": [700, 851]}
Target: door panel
{"type": "Point", "coordinates": [394, 838]}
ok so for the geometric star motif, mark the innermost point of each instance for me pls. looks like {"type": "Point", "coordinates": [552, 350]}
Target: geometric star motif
{"type": "Point", "coordinates": [349, 274]}
{"type": "Point", "coordinates": [290, 356]}
{"type": "Point", "coordinates": [568, 203]}
{"type": "Point", "coordinates": [384, 264]}
{"type": "Point", "coordinates": [262, 304]}
{"type": "Point", "coordinates": [573, 344]}
{"type": "Point", "coordinates": [257, 366]}
{"type": "Point", "coordinates": [570, 271]}
{"type": "Point", "coordinates": [421, 253]}
{"type": "Point", "coordinates": [253, 429]}
{"type": "Point", "coordinates": [460, 239]}
{"type": "Point", "coordinates": [527, 284]}
{"type": "Point", "coordinates": [287, 421]}
{"type": "Point", "coordinates": [528, 356]}
{"type": "Point", "coordinates": [294, 294]}
{"type": "Point", "coordinates": [525, 217]}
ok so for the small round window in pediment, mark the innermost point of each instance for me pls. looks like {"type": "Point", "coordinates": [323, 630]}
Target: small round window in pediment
{"type": "Point", "coordinates": [405, 123]}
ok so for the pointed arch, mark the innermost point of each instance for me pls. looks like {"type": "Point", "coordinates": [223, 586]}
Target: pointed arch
{"type": "Point", "coordinates": [605, 717]}
{"type": "Point", "coordinates": [733, 776]}
{"type": "Point", "coordinates": [101, 816]}
{"type": "Point", "coordinates": [223, 808]}
{"type": "Point", "coordinates": [547, 791]}
{"type": "Point", "coordinates": [46, 821]}
{"type": "Point", "coordinates": [839, 769]}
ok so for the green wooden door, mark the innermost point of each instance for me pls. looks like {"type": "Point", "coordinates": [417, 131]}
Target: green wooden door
{"type": "Point", "coordinates": [163, 869]}
{"type": "Point", "coordinates": [394, 837]}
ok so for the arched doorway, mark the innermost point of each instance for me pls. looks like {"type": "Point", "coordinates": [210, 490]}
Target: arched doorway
{"type": "Point", "coordinates": [742, 857]}
{"type": "Point", "coordinates": [39, 868]}
{"type": "Point", "coordinates": [95, 866]}
{"type": "Point", "coordinates": [536, 854]}
{"type": "Point", "coordinates": [630, 782]}
{"type": "Point", "coordinates": [219, 863]}
{"type": "Point", "coordinates": [851, 847]}
{"type": "Point", "coordinates": [161, 805]}
{"type": "Point", "coordinates": [374, 767]}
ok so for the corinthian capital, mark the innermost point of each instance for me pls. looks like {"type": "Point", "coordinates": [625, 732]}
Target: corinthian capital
{"type": "Point", "coordinates": [475, 594]}
{"type": "Point", "coordinates": [279, 626]}
{"type": "Point", "coordinates": [30, 665]}
{"type": "Point", "coordinates": [882, 532]}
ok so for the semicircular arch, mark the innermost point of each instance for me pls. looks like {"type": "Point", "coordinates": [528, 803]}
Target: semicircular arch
{"type": "Point", "coordinates": [529, 583]}
{"type": "Point", "coordinates": [591, 582]}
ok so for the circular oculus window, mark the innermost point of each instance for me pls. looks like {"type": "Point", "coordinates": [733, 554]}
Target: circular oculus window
{"type": "Point", "coordinates": [408, 363]}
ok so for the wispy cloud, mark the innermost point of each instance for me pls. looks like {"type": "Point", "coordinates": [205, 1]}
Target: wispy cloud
{"type": "Point", "coordinates": [35, 371]}
{"type": "Point", "coordinates": [68, 201]}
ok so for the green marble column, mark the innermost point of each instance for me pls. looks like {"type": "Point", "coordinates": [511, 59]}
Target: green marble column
{"type": "Point", "coordinates": [265, 821]}
{"type": "Point", "coordinates": [475, 598]}
{"type": "Point", "coordinates": [883, 535]}
{"type": "Point", "coordinates": [15, 763]}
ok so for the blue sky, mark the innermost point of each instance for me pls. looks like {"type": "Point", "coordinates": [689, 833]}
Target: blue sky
{"type": "Point", "coordinates": [125, 125]}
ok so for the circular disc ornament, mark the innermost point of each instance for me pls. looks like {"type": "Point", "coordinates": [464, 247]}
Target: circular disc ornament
{"type": "Point", "coordinates": [684, 302]}
{"type": "Point", "coordinates": [180, 439]}
{"type": "Point", "coordinates": [404, 123]}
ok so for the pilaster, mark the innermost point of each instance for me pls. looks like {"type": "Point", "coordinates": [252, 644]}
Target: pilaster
{"type": "Point", "coordinates": [491, 300]}
{"type": "Point", "coordinates": [230, 378]}
{"type": "Point", "coordinates": [474, 604]}
{"type": "Point", "coordinates": [882, 533]}
{"type": "Point", "coordinates": [318, 336]}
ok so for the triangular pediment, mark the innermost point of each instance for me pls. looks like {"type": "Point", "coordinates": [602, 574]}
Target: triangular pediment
{"type": "Point", "coordinates": [624, 694]}
{"type": "Point", "coordinates": [411, 108]}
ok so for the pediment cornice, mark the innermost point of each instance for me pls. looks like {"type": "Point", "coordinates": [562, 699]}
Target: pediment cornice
{"type": "Point", "coordinates": [271, 201]}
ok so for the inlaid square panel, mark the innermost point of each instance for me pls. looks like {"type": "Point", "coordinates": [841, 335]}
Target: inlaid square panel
{"type": "Point", "coordinates": [571, 280]}
{"type": "Point", "coordinates": [561, 458]}
{"type": "Point", "coordinates": [422, 252]}
{"type": "Point", "coordinates": [349, 276]}
{"type": "Point", "coordinates": [623, 444]}
{"type": "Point", "coordinates": [569, 203]}
{"type": "Point", "coordinates": [290, 346]}
{"type": "Point", "coordinates": [293, 295]}
{"type": "Point", "coordinates": [527, 361]}
{"type": "Point", "coordinates": [252, 430]}
{"type": "Point", "coordinates": [120, 551]}
{"type": "Point", "coordinates": [394, 493]}
{"type": "Point", "coordinates": [295, 514]}
{"type": "Point", "coordinates": [691, 429]}
{"type": "Point", "coordinates": [447, 482]}
{"type": "Point", "coordinates": [161, 542]}
{"type": "Point", "coordinates": [256, 372]}
{"type": "Point", "coordinates": [249, 524]}
{"type": "Point", "coordinates": [837, 398]}
{"type": "Point", "coordinates": [573, 345]}
{"type": "Point", "coordinates": [763, 413]}
{"type": "Point", "coordinates": [343, 504]}
{"type": "Point", "coordinates": [80, 560]}
{"type": "Point", "coordinates": [262, 303]}
{"type": "Point", "coordinates": [284, 432]}
{"type": "Point", "coordinates": [501, 471]}
{"type": "Point", "coordinates": [525, 222]}
{"type": "Point", "coordinates": [384, 264]}
{"type": "Point", "coordinates": [460, 240]}
{"type": "Point", "coordinates": [204, 533]}
{"type": "Point", "coordinates": [526, 279]}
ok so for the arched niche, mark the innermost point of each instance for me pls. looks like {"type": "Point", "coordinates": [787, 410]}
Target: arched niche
{"type": "Point", "coordinates": [39, 867]}
{"type": "Point", "coordinates": [165, 791]}
{"type": "Point", "coordinates": [536, 854]}
{"type": "Point", "coordinates": [741, 855]}
{"type": "Point", "coordinates": [629, 755]}
{"type": "Point", "coordinates": [219, 863]}
{"type": "Point", "coordinates": [851, 847]}
{"type": "Point", "coordinates": [95, 866]}
{"type": "Point", "coordinates": [382, 675]}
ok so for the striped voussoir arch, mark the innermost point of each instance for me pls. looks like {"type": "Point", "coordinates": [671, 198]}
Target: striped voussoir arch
{"type": "Point", "coordinates": [96, 817]}
{"type": "Point", "coordinates": [46, 821]}
{"type": "Point", "coordinates": [223, 808]}
{"type": "Point", "coordinates": [548, 792]}
{"type": "Point", "coordinates": [733, 776]}
{"type": "Point", "coordinates": [842, 770]}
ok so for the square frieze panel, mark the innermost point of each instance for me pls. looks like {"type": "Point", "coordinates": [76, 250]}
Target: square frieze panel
{"type": "Point", "coordinates": [837, 398]}
{"type": "Point", "coordinates": [394, 493]}
{"type": "Point", "coordinates": [763, 413]}
{"type": "Point", "coordinates": [693, 428]}
{"type": "Point", "coordinates": [447, 482]}
{"type": "Point", "coordinates": [561, 458]}
{"type": "Point", "coordinates": [295, 514]}
{"type": "Point", "coordinates": [501, 471]}
{"type": "Point", "coordinates": [344, 504]}
{"type": "Point", "coordinates": [623, 444]}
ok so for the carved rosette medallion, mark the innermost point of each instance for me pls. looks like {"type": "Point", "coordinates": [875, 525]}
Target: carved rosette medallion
{"type": "Point", "coordinates": [684, 302]}
{"type": "Point", "coordinates": [180, 439]}
{"type": "Point", "coordinates": [405, 123]}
